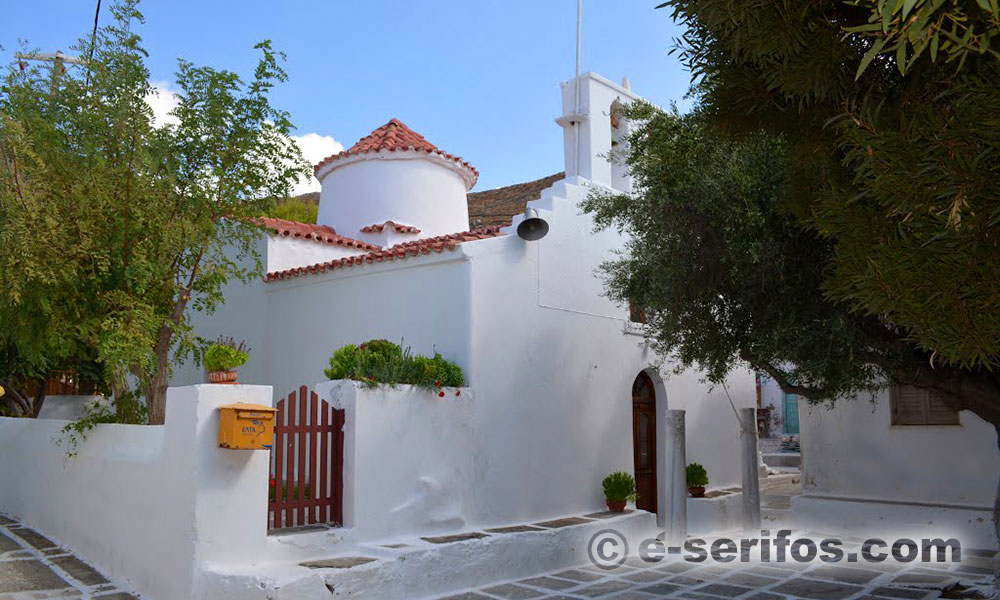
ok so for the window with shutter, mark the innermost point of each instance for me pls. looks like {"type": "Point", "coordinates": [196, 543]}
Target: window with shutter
{"type": "Point", "coordinates": [636, 314]}
{"type": "Point", "coordinates": [915, 406]}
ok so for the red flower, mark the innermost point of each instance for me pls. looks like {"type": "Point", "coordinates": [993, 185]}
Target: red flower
{"type": "Point", "coordinates": [273, 483]}
{"type": "Point", "coordinates": [437, 383]}
{"type": "Point", "coordinates": [458, 392]}
{"type": "Point", "coordinates": [441, 394]}
{"type": "Point", "coordinates": [361, 347]}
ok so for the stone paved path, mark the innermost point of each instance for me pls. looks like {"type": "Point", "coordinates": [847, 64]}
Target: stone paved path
{"type": "Point", "coordinates": [675, 578]}
{"type": "Point", "coordinates": [36, 568]}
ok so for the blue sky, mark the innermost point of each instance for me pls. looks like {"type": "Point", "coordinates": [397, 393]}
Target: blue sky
{"type": "Point", "coordinates": [478, 78]}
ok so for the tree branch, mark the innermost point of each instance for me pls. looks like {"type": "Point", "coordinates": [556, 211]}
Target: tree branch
{"type": "Point", "coordinates": [786, 385]}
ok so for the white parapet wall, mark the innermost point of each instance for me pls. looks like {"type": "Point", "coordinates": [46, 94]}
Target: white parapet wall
{"type": "Point", "coordinates": [408, 458]}
{"type": "Point", "coordinates": [155, 507]}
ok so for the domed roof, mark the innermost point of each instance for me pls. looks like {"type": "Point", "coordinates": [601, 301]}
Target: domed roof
{"type": "Point", "coordinates": [392, 137]}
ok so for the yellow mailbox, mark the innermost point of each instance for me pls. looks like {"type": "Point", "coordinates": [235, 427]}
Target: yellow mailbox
{"type": "Point", "coordinates": [246, 426]}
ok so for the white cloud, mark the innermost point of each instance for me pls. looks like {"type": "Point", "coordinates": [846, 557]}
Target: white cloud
{"type": "Point", "coordinates": [162, 101]}
{"type": "Point", "coordinates": [315, 147]}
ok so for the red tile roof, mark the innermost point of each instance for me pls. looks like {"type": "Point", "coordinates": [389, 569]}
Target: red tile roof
{"type": "Point", "coordinates": [393, 136]}
{"type": "Point", "coordinates": [397, 252]}
{"type": "Point", "coordinates": [318, 233]}
{"type": "Point", "coordinates": [380, 227]}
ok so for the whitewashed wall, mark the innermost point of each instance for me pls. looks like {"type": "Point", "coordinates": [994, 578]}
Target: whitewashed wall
{"type": "Point", "coordinates": [421, 302]}
{"type": "Point", "coordinates": [68, 408]}
{"type": "Point", "coordinates": [242, 316]}
{"type": "Point", "coordinates": [408, 187]}
{"type": "Point", "coordinates": [853, 451]}
{"type": "Point", "coordinates": [153, 506]}
{"type": "Point", "coordinates": [552, 368]}
{"type": "Point", "coordinates": [408, 465]}
{"type": "Point", "coordinates": [550, 360]}
{"type": "Point", "coordinates": [287, 252]}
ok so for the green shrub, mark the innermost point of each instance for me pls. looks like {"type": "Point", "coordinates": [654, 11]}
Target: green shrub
{"type": "Point", "coordinates": [343, 363]}
{"type": "Point", "coordinates": [383, 348]}
{"type": "Point", "coordinates": [619, 486]}
{"type": "Point", "coordinates": [381, 361]}
{"type": "Point", "coordinates": [697, 476]}
{"type": "Point", "coordinates": [225, 355]}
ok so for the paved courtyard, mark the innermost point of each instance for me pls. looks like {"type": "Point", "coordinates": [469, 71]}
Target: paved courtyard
{"type": "Point", "coordinates": [36, 568]}
{"type": "Point", "coordinates": [675, 578]}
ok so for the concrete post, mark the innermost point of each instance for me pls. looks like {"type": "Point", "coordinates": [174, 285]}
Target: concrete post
{"type": "Point", "coordinates": [751, 483]}
{"type": "Point", "coordinates": [229, 487]}
{"type": "Point", "coordinates": [673, 484]}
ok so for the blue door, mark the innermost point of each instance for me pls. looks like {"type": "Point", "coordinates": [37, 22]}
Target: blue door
{"type": "Point", "coordinates": [791, 402]}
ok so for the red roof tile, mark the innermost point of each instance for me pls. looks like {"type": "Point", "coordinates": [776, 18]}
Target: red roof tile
{"type": "Point", "coordinates": [398, 252]}
{"type": "Point", "coordinates": [393, 136]}
{"type": "Point", "coordinates": [318, 233]}
{"type": "Point", "coordinates": [380, 227]}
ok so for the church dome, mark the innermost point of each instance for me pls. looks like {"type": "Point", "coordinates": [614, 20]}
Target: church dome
{"type": "Point", "coordinates": [394, 174]}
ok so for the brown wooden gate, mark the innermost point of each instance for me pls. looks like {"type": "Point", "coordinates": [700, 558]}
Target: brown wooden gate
{"type": "Point", "coordinates": [307, 480]}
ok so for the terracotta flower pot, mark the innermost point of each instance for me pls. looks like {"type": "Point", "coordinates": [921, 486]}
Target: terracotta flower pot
{"type": "Point", "coordinates": [697, 492]}
{"type": "Point", "coordinates": [616, 505]}
{"type": "Point", "coordinates": [222, 377]}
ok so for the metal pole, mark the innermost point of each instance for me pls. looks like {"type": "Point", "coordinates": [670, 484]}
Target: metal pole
{"type": "Point", "coordinates": [576, 85]}
{"type": "Point", "coordinates": [748, 458]}
{"type": "Point", "coordinates": [673, 483]}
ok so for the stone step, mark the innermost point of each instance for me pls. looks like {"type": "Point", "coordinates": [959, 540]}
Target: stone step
{"type": "Point", "coordinates": [783, 459]}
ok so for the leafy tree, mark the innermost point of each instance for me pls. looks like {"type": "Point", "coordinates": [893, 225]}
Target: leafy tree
{"type": "Point", "coordinates": [828, 214]}
{"type": "Point", "coordinates": [892, 158]}
{"type": "Point", "coordinates": [725, 276]}
{"type": "Point", "coordinates": [111, 229]}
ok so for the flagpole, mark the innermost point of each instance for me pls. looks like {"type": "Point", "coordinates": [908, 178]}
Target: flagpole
{"type": "Point", "coordinates": [576, 85]}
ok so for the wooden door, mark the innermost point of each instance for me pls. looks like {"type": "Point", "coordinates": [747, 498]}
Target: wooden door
{"type": "Point", "coordinates": [644, 441]}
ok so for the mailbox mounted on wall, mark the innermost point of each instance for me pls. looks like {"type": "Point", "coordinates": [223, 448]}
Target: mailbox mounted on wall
{"type": "Point", "coordinates": [246, 426]}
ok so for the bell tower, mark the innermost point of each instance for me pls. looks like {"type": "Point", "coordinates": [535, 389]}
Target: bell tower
{"type": "Point", "coordinates": [595, 128]}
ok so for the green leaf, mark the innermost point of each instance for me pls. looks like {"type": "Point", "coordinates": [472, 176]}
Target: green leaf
{"type": "Point", "coordinates": [869, 56]}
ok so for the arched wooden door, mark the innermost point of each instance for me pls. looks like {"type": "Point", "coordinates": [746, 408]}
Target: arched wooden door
{"type": "Point", "coordinates": [644, 441]}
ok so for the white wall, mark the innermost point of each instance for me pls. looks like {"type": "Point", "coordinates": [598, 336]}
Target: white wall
{"type": "Point", "coordinates": [548, 357]}
{"type": "Point", "coordinates": [242, 316]}
{"type": "Point", "coordinates": [412, 188]}
{"type": "Point", "coordinates": [552, 368]}
{"type": "Point", "coordinates": [148, 505]}
{"type": "Point", "coordinates": [68, 408]}
{"type": "Point", "coordinates": [287, 252]}
{"type": "Point", "coordinates": [294, 325]}
{"type": "Point", "coordinates": [852, 450]}
{"type": "Point", "coordinates": [408, 465]}
{"type": "Point", "coordinates": [421, 302]}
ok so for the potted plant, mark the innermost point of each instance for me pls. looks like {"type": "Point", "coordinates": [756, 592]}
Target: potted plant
{"type": "Point", "coordinates": [697, 479]}
{"type": "Point", "coordinates": [222, 358]}
{"type": "Point", "coordinates": [619, 488]}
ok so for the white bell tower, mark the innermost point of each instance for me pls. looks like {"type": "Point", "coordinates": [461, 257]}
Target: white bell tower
{"type": "Point", "coordinates": [594, 129]}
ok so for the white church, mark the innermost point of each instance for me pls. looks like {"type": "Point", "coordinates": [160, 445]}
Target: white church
{"type": "Point", "coordinates": [564, 389]}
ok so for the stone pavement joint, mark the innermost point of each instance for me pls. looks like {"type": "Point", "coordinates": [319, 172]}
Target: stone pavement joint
{"type": "Point", "coordinates": [681, 580]}
{"type": "Point", "coordinates": [34, 567]}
